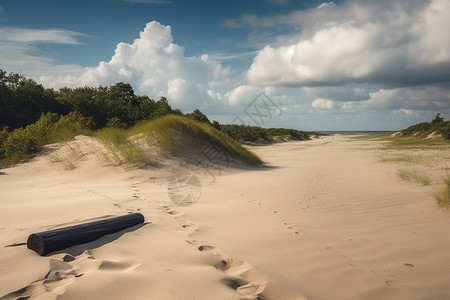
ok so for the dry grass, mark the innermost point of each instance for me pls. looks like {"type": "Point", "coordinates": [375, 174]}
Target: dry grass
{"type": "Point", "coordinates": [423, 160]}
{"type": "Point", "coordinates": [122, 149]}
{"type": "Point", "coordinates": [414, 176]}
{"type": "Point", "coordinates": [442, 195]}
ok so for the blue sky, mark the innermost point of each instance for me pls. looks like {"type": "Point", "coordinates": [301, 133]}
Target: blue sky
{"type": "Point", "coordinates": [342, 65]}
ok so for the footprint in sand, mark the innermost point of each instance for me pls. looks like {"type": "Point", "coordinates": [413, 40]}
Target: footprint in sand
{"type": "Point", "coordinates": [294, 228]}
{"type": "Point", "coordinates": [192, 227]}
{"type": "Point", "coordinates": [60, 274]}
{"type": "Point", "coordinates": [245, 279]}
{"type": "Point", "coordinates": [173, 212]}
{"type": "Point", "coordinates": [65, 271]}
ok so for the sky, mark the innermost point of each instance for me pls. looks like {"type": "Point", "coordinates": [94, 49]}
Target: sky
{"type": "Point", "coordinates": [305, 64]}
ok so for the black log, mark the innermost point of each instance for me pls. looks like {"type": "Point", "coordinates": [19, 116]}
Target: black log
{"type": "Point", "coordinates": [58, 239]}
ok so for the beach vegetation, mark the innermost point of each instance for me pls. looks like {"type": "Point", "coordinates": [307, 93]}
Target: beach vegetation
{"type": "Point", "coordinates": [423, 150]}
{"type": "Point", "coordinates": [255, 134]}
{"type": "Point", "coordinates": [32, 116]}
{"type": "Point", "coordinates": [20, 144]}
{"type": "Point", "coordinates": [437, 127]}
{"type": "Point", "coordinates": [167, 135]}
{"type": "Point", "coordinates": [413, 175]}
{"type": "Point", "coordinates": [442, 195]}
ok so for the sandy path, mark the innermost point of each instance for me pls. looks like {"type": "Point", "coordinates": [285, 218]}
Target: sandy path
{"type": "Point", "coordinates": [322, 220]}
{"type": "Point", "coordinates": [331, 222]}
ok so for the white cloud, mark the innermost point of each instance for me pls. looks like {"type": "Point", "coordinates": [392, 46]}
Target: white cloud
{"type": "Point", "coordinates": [154, 66]}
{"type": "Point", "coordinates": [419, 99]}
{"type": "Point", "coordinates": [26, 35]}
{"type": "Point", "coordinates": [325, 4]}
{"type": "Point", "coordinates": [243, 94]}
{"type": "Point", "coordinates": [13, 56]}
{"type": "Point", "coordinates": [338, 93]}
{"type": "Point", "coordinates": [18, 45]}
{"type": "Point", "coordinates": [322, 104]}
{"type": "Point", "coordinates": [434, 42]}
{"type": "Point", "coordinates": [391, 47]}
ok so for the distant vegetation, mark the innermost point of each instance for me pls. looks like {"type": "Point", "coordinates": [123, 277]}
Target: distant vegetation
{"type": "Point", "coordinates": [437, 126]}
{"type": "Point", "coordinates": [169, 134]}
{"type": "Point", "coordinates": [424, 160]}
{"type": "Point", "coordinates": [32, 116]}
{"type": "Point", "coordinates": [254, 134]}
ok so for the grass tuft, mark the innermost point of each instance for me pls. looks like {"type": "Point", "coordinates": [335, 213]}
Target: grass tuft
{"type": "Point", "coordinates": [442, 195]}
{"type": "Point", "coordinates": [414, 176]}
{"type": "Point", "coordinates": [407, 158]}
{"type": "Point", "coordinates": [122, 148]}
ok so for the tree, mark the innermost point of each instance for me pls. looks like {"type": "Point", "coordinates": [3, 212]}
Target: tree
{"type": "Point", "coordinates": [121, 91]}
{"type": "Point", "coordinates": [437, 119]}
{"type": "Point", "coordinates": [199, 116]}
{"type": "Point", "coordinates": [23, 100]}
{"type": "Point", "coordinates": [162, 108]}
{"type": "Point", "coordinates": [216, 125]}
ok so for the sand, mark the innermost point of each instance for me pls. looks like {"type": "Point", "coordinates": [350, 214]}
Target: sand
{"type": "Point", "coordinates": [324, 219]}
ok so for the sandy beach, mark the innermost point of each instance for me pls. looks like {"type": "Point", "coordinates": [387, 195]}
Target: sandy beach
{"type": "Point", "coordinates": [323, 219]}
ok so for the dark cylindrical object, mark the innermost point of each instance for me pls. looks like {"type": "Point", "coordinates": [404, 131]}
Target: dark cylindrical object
{"type": "Point", "coordinates": [57, 239]}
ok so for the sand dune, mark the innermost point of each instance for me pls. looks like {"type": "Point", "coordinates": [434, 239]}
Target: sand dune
{"type": "Point", "coordinates": [324, 219]}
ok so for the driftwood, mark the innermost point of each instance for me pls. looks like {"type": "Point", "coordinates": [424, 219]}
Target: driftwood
{"type": "Point", "coordinates": [58, 239]}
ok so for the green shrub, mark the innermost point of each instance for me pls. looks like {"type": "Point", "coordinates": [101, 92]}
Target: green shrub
{"type": "Point", "coordinates": [3, 136]}
{"type": "Point", "coordinates": [445, 131]}
{"type": "Point", "coordinates": [69, 126]}
{"type": "Point", "coordinates": [20, 144]}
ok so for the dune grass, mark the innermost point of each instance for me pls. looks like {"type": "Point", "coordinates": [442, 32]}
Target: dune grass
{"type": "Point", "coordinates": [414, 176]}
{"type": "Point", "coordinates": [408, 158]}
{"type": "Point", "coordinates": [167, 135]}
{"type": "Point", "coordinates": [122, 149]}
{"type": "Point", "coordinates": [423, 160]}
{"type": "Point", "coordinates": [442, 195]}
{"type": "Point", "coordinates": [69, 159]}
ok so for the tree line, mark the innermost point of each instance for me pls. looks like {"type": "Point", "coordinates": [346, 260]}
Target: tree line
{"type": "Point", "coordinates": [32, 116]}
{"type": "Point", "coordinates": [22, 101]}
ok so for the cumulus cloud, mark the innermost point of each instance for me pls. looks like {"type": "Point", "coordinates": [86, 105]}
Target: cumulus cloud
{"type": "Point", "coordinates": [338, 93]}
{"type": "Point", "coordinates": [155, 66]}
{"type": "Point", "coordinates": [243, 94]}
{"type": "Point", "coordinates": [429, 98]}
{"type": "Point", "coordinates": [393, 47]}
{"type": "Point", "coordinates": [322, 104]}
